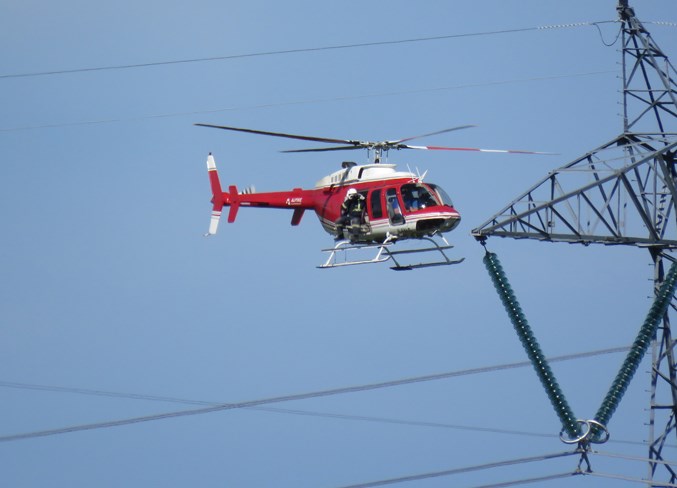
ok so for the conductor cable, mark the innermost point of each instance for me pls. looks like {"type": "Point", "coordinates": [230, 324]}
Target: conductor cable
{"type": "Point", "coordinates": [211, 407]}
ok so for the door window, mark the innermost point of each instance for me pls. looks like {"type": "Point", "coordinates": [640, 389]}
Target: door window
{"type": "Point", "coordinates": [376, 207]}
{"type": "Point", "coordinates": [393, 206]}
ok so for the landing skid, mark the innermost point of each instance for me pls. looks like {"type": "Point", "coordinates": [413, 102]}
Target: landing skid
{"type": "Point", "coordinates": [384, 252]}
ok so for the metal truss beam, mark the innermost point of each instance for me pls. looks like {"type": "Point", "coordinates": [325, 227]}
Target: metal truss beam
{"type": "Point", "coordinates": [623, 192]}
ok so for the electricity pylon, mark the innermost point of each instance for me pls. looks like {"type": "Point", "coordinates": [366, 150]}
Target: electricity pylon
{"type": "Point", "coordinates": [623, 192]}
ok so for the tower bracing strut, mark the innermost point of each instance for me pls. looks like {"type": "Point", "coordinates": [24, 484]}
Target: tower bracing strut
{"type": "Point", "coordinates": [624, 192]}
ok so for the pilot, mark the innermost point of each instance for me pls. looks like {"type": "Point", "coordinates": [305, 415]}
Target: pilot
{"type": "Point", "coordinates": [352, 213]}
{"type": "Point", "coordinates": [414, 203]}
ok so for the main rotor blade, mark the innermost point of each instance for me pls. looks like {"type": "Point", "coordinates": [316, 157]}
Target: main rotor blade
{"type": "Point", "coordinates": [353, 144]}
{"type": "Point", "coordinates": [432, 133]}
{"type": "Point", "coordinates": [442, 148]}
{"type": "Point", "coordinates": [321, 149]}
{"type": "Point", "coordinates": [280, 134]}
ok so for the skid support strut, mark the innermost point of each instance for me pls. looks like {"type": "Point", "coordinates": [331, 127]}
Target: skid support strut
{"type": "Point", "coordinates": [384, 252]}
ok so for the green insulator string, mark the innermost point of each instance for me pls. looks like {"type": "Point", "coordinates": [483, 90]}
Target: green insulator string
{"type": "Point", "coordinates": [526, 336]}
{"type": "Point", "coordinates": [639, 348]}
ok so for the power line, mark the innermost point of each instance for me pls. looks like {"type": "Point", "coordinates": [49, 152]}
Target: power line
{"type": "Point", "coordinates": [307, 101]}
{"type": "Point", "coordinates": [438, 425]}
{"type": "Point", "coordinates": [285, 398]}
{"type": "Point", "coordinates": [306, 413]}
{"type": "Point", "coordinates": [134, 396]}
{"type": "Point", "coordinates": [651, 483]}
{"type": "Point", "coordinates": [290, 51]}
{"type": "Point", "coordinates": [633, 458]}
{"type": "Point", "coordinates": [450, 472]}
{"type": "Point", "coordinates": [526, 481]}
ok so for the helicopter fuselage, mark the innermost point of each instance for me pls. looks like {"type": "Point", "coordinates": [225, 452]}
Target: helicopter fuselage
{"type": "Point", "coordinates": [397, 203]}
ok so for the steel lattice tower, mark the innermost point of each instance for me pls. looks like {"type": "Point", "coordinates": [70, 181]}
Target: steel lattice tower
{"type": "Point", "coordinates": [623, 192]}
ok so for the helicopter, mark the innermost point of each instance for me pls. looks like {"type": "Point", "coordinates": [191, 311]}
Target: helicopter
{"type": "Point", "coordinates": [397, 205]}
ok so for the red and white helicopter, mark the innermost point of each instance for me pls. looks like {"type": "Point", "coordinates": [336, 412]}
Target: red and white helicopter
{"type": "Point", "coordinates": [399, 205]}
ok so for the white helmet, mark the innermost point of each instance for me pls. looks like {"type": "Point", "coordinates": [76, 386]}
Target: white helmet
{"type": "Point", "coordinates": [351, 192]}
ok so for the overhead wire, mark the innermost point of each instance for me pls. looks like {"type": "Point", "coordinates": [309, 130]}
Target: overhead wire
{"type": "Point", "coordinates": [290, 51]}
{"type": "Point", "coordinates": [468, 469]}
{"type": "Point", "coordinates": [133, 396]}
{"type": "Point", "coordinates": [303, 102]}
{"type": "Point", "coordinates": [211, 407]}
{"type": "Point", "coordinates": [667, 464]}
{"type": "Point", "coordinates": [523, 481]}
{"type": "Point", "coordinates": [328, 415]}
{"type": "Point", "coordinates": [632, 458]}
{"type": "Point", "coordinates": [527, 481]}
{"type": "Point", "coordinates": [652, 483]}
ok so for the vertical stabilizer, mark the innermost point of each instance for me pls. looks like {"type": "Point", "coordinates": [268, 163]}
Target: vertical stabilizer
{"type": "Point", "coordinates": [217, 195]}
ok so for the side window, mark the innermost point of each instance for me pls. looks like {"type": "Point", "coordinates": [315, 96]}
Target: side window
{"type": "Point", "coordinates": [376, 207]}
{"type": "Point", "coordinates": [417, 197]}
{"type": "Point", "coordinates": [410, 197]}
{"type": "Point", "coordinates": [393, 205]}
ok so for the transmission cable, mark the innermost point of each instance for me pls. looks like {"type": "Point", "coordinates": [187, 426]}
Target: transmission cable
{"type": "Point", "coordinates": [632, 458]}
{"type": "Point", "coordinates": [290, 51]}
{"type": "Point", "coordinates": [300, 396]}
{"type": "Point", "coordinates": [527, 481]}
{"type": "Point", "coordinates": [287, 411]}
{"type": "Point", "coordinates": [450, 472]}
{"type": "Point", "coordinates": [304, 102]}
{"type": "Point", "coordinates": [652, 483]}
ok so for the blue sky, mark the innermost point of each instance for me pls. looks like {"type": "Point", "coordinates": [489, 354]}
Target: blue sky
{"type": "Point", "coordinates": [109, 286]}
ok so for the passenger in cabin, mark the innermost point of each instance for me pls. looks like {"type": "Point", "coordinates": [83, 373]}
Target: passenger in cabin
{"type": "Point", "coordinates": [416, 197]}
{"type": "Point", "coordinates": [427, 200]}
{"type": "Point", "coordinates": [414, 203]}
{"type": "Point", "coordinates": [410, 197]}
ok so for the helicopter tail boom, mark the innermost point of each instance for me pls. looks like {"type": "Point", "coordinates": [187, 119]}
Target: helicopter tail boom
{"type": "Point", "coordinates": [298, 200]}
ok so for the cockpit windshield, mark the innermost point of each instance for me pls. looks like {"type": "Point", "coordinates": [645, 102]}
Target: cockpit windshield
{"type": "Point", "coordinates": [441, 194]}
{"type": "Point", "coordinates": [416, 197]}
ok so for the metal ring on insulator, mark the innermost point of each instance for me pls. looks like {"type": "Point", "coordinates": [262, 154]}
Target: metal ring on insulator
{"type": "Point", "coordinates": [598, 426]}
{"type": "Point", "coordinates": [580, 437]}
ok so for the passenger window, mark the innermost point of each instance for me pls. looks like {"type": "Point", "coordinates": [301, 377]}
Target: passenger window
{"type": "Point", "coordinates": [376, 207]}
{"type": "Point", "coordinates": [393, 205]}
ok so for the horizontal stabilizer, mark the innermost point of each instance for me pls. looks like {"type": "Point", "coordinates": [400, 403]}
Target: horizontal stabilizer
{"type": "Point", "coordinates": [234, 204]}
